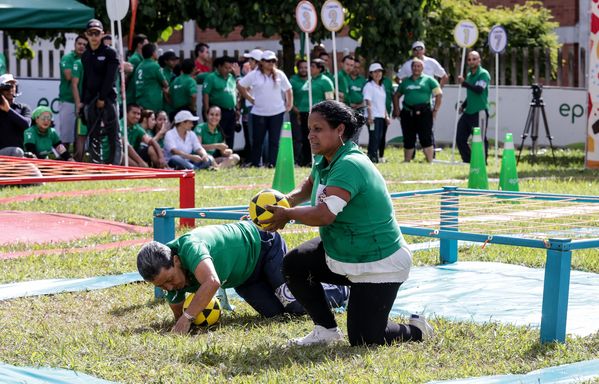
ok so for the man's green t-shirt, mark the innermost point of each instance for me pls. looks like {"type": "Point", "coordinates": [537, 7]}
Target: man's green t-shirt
{"type": "Point", "coordinates": [149, 80]}
{"type": "Point", "coordinates": [65, 93]}
{"type": "Point", "coordinates": [221, 92]}
{"type": "Point", "coordinates": [343, 81]}
{"type": "Point", "coordinates": [300, 94]}
{"type": "Point", "coordinates": [181, 90]}
{"type": "Point", "coordinates": [207, 137]}
{"type": "Point", "coordinates": [44, 142]}
{"type": "Point", "coordinates": [234, 250]}
{"type": "Point", "coordinates": [417, 91]}
{"type": "Point", "coordinates": [388, 85]}
{"type": "Point", "coordinates": [135, 59]}
{"type": "Point", "coordinates": [366, 229]}
{"type": "Point", "coordinates": [321, 85]}
{"type": "Point", "coordinates": [355, 90]}
{"type": "Point", "coordinates": [476, 102]}
{"type": "Point", "coordinates": [135, 135]}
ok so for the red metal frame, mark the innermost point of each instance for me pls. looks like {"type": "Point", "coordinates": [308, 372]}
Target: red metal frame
{"type": "Point", "coordinates": [104, 172]}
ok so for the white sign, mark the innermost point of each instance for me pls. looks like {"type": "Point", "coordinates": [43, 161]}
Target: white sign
{"type": "Point", "coordinates": [497, 39]}
{"type": "Point", "coordinates": [465, 33]}
{"type": "Point", "coordinates": [332, 15]}
{"type": "Point", "coordinates": [306, 16]}
{"type": "Point", "coordinates": [117, 9]}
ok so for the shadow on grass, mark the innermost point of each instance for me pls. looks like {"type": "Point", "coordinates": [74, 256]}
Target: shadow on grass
{"type": "Point", "coordinates": [125, 311]}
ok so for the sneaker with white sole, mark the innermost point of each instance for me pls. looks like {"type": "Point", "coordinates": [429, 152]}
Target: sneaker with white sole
{"type": "Point", "coordinates": [319, 335]}
{"type": "Point", "coordinates": [420, 322]}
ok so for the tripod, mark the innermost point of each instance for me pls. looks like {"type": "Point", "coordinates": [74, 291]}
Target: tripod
{"type": "Point", "coordinates": [537, 106]}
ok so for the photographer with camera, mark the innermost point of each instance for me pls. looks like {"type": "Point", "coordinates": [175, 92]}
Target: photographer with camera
{"type": "Point", "coordinates": [15, 118]}
{"type": "Point", "coordinates": [475, 109]}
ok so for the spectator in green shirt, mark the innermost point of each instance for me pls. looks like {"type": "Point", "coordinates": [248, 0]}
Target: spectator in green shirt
{"type": "Point", "coordinates": [212, 139]}
{"type": "Point", "coordinates": [135, 59]}
{"type": "Point", "coordinates": [343, 77]}
{"type": "Point", "coordinates": [150, 85]}
{"type": "Point", "coordinates": [168, 61]}
{"type": "Point", "coordinates": [183, 90]}
{"type": "Point", "coordinates": [298, 115]}
{"type": "Point", "coordinates": [143, 149]}
{"type": "Point", "coordinates": [155, 125]}
{"type": "Point", "coordinates": [41, 139]}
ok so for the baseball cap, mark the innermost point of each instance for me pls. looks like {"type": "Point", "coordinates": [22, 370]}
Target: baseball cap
{"type": "Point", "coordinates": [375, 67]}
{"type": "Point", "coordinates": [182, 116]}
{"type": "Point", "coordinates": [94, 24]}
{"type": "Point", "coordinates": [169, 55]}
{"type": "Point", "coordinates": [269, 55]}
{"type": "Point", "coordinates": [255, 54]}
{"type": "Point", "coordinates": [418, 44]}
{"type": "Point", "coordinates": [7, 78]}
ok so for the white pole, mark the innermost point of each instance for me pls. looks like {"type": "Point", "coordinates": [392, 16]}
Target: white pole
{"type": "Point", "coordinates": [123, 93]}
{"type": "Point", "coordinates": [309, 74]}
{"type": "Point", "coordinates": [457, 109]}
{"type": "Point", "coordinates": [496, 108]}
{"type": "Point", "coordinates": [335, 66]}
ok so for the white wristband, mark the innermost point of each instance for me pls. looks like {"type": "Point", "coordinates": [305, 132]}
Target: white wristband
{"type": "Point", "coordinates": [188, 316]}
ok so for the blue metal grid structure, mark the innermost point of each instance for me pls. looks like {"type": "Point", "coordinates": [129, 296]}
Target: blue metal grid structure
{"type": "Point", "coordinates": [455, 221]}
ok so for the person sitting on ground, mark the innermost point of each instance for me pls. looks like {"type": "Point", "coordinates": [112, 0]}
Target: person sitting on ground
{"type": "Point", "coordinates": [236, 255]}
{"type": "Point", "coordinates": [159, 129]}
{"type": "Point", "coordinates": [41, 139]}
{"type": "Point", "coordinates": [15, 118]}
{"type": "Point", "coordinates": [182, 147]}
{"type": "Point", "coordinates": [143, 150]}
{"type": "Point", "coordinates": [212, 139]}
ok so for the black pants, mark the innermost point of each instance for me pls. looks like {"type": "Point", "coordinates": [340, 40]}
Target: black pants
{"type": "Point", "coordinates": [261, 125]}
{"type": "Point", "coordinates": [466, 124]}
{"type": "Point", "coordinates": [296, 134]}
{"type": "Point", "coordinates": [375, 133]}
{"type": "Point", "coordinates": [369, 304]}
{"type": "Point", "coordinates": [227, 124]}
{"type": "Point", "coordinates": [305, 158]}
{"type": "Point", "coordinates": [104, 122]}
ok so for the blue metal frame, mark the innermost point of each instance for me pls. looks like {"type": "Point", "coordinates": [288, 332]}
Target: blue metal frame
{"type": "Point", "coordinates": [559, 251]}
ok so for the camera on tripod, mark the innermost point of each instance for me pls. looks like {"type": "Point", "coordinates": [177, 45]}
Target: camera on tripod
{"type": "Point", "coordinates": [537, 91]}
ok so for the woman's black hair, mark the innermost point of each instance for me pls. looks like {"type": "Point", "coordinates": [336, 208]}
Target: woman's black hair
{"type": "Point", "coordinates": [336, 113]}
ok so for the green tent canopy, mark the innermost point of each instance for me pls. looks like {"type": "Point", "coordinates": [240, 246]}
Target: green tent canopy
{"type": "Point", "coordinates": [44, 14]}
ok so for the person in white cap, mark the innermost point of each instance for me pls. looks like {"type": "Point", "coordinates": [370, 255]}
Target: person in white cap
{"type": "Point", "coordinates": [375, 98]}
{"type": "Point", "coordinates": [182, 148]}
{"type": "Point", "coordinates": [15, 118]}
{"type": "Point", "coordinates": [254, 57]}
{"type": "Point", "coordinates": [267, 85]}
{"type": "Point", "coordinates": [431, 66]}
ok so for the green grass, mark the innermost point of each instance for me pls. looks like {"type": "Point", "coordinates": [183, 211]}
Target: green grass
{"type": "Point", "coordinates": [121, 333]}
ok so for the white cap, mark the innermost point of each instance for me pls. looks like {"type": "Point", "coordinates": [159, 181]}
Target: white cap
{"type": "Point", "coordinates": [375, 67]}
{"type": "Point", "coordinates": [7, 78]}
{"type": "Point", "coordinates": [255, 54]}
{"type": "Point", "coordinates": [269, 55]}
{"type": "Point", "coordinates": [182, 116]}
{"type": "Point", "coordinates": [418, 44]}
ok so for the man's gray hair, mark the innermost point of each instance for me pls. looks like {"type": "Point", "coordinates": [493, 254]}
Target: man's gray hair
{"type": "Point", "coordinates": [152, 257]}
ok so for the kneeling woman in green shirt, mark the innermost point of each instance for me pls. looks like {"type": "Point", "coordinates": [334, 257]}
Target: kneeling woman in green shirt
{"type": "Point", "coordinates": [360, 243]}
{"type": "Point", "coordinates": [41, 139]}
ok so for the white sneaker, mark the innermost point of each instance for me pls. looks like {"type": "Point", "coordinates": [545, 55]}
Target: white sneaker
{"type": "Point", "coordinates": [420, 322]}
{"type": "Point", "coordinates": [319, 335]}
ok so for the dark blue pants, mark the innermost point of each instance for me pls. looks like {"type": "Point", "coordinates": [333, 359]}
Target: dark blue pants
{"type": "Point", "coordinates": [261, 125]}
{"type": "Point", "coordinates": [375, 132]}
{"type": "Point", "coordinates": [266, 290]}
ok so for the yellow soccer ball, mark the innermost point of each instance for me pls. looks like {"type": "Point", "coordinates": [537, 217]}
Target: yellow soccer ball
{"type": "Point", "coordinates": [261, 200]}
{"type": "Point", "coordinates": [209, 316]}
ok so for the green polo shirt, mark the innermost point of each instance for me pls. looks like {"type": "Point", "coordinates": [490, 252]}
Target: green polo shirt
{"type": "Point", "coordinates": [148, 85]}
{"type": "Point", "coordinates": [366, 229]}
{"type": "Point", "coordinates": [418, 91]}
{"type": "Point", "coordinates": [221, 91]}
{"type": "Point", "coordinates": [476, 102]}
{"type": "Point", "coordinates": [65, 93]}
{"type": "Point", "coordinates": [320, 86]}
{"type": "Point", "coordinates": [150, 133]}
{"type": "Point", "coordinates": [44, 142]}
{"type": "Point", "coordinates": [329, 75]}
{"type": "Point", "coordinates": [134, 135]}
{"type": "Point", "coordinates": [168, 75]}
{"type": "Point", "coordinates": [234, 250]}
{"type": "Point", "coordinates": [388, 85]}
{"type": "Point", "coordinates": [135, 59]}
{"type": "Point", "coordinates": [207, 137]}
{"type": "Point", "coordinates": [300, 95]}
{"type": "Point", "coordinates": [355, 90]}
{"type": "Point", "coordinates": [181, 90]}
{"type": "Point", "coordinates": [343, 81]}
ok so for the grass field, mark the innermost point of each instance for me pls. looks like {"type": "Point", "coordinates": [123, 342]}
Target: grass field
{"type": "Point", "coordinates": [121, 334]}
